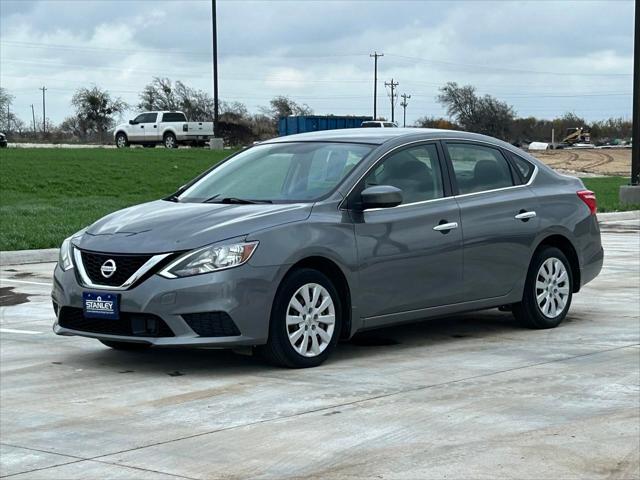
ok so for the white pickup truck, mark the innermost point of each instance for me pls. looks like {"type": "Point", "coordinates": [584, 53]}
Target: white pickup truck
{"type": "Point", "coordinates": [169, 128]}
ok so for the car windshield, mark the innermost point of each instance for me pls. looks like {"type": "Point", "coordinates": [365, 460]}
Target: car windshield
{"type": "Point", "coordinates": [282, 172]}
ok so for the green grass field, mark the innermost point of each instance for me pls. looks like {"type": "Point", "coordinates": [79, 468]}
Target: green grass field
{"type": "Point", "coordinates": [48, 194]}
{"type": "Point", "coordinates": [607, 190]}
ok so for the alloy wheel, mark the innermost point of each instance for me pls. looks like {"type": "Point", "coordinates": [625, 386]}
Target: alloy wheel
{"type": "Point", "coordinates": [552, 287]}
{"type": "Point", "coordinates": [311, 318]}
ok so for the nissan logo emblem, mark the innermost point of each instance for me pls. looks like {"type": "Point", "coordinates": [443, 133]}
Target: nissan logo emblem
{"type": "Point", "coordinates": [108, 268]}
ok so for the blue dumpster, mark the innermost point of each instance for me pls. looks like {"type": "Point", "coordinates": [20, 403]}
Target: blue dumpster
{"type": "Point", "coordinates": [314, 123]}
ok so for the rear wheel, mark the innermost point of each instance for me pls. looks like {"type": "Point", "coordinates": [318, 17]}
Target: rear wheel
{"type": "Point", "coordinates": [548, 290]}
{"type": "Point", "coordinates": [128, 346]}
{"type": "Point", "coordinates": [305, 321]}
{"type": "Point", "coordinates": [121, 140]}
{"type": "Point", "coordinates": [170, 141]}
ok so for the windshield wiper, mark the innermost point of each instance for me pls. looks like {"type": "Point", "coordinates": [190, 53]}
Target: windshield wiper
{"type": "Point", "coordinates": [242, 201]}
{"type": "Point", "coordinates": [233, 200]}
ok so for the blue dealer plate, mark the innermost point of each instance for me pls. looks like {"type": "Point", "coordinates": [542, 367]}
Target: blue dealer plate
{"type": "Point", "coordinates": [101, 305]}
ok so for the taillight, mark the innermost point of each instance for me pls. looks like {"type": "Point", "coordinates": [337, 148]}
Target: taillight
{"type": "Point", "coordinates": [588, 197]}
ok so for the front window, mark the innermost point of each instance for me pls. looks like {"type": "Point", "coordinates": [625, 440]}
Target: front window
{"type": "Point", "coordinates": [415, 171]}
{"type": "Point", "coordinates": [283, 172]}
{"type": "Point", "coordinates": [146, 118]}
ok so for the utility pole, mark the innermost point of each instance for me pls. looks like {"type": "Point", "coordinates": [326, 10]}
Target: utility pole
{"type": "Point", "coordinates": [393, 96]}
{"type": "Point", "coordinates": [635, 152]}
{"type": "Point", "coordinates": [215, 67]}
{"type": "Point", "coordinates": [404, 104]}
{"type": "Point", "coordinates": [33, 114]}
{"type": "Point", "coordinates": [375, 56]}
{"type": "Point", "coordinates": [8, 118]}
{"type": "Point", "coordinates": [630, 194]}
{"type": "Point", "coordinates": [44, 112]}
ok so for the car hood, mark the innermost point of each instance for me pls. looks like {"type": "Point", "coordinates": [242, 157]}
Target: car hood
{"type": "Point", "coordinates": [163, 226]}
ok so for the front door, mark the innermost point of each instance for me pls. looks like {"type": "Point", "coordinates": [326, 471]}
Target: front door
{"type": "Point", "coordinates": [141, 123]}
{"type": "Point", "coordinates": [410, 256]}
{"type": "Point", "coordinates": [498, 218]}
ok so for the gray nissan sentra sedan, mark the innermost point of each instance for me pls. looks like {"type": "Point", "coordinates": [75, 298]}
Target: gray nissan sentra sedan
{"type": "Point", "coordinates": [300, 241]}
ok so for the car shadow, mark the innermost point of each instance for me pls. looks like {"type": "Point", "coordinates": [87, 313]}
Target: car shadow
{"type": "Point", "coordinates": [178, 362]}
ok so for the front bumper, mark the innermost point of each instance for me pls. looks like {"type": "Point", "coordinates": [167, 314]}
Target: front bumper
{"type": "Point", "coordinates": [245, 294]}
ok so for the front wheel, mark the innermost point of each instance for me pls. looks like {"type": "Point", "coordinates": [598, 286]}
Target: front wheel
{"type": "Point", "coordinates": [305, 321]}
{"type": "Point", "coordinates": [121, 140]}
{"type": "Point", "coordinates": [548, 290]}
{"type": "Point", "coordinates": [170, 141]}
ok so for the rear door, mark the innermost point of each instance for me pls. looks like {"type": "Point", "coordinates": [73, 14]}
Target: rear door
{"type": "Point", "coordinates": [498, 217]}
{"type": "Point", "coordinates": [407, 259]}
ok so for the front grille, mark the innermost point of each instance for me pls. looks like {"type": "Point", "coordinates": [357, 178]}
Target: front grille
{"type": "Point", "coordinates": [126, 265]}
{"type": "Point", "coordinates": [129, 324]}
{"type": "Point", "coordinates": [211, 324]}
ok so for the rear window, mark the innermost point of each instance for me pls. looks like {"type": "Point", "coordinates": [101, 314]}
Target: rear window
{"type": "Point", "coordinates": [524, 168]}
{"type": "Point", "coordinates": [173, 117]}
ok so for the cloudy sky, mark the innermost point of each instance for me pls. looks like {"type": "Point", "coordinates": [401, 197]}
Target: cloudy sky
{"type": "Point", "coordinates": [543, 57]}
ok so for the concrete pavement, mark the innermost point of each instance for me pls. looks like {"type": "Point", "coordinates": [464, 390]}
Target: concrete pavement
{"type": "Point", "coordinates": [472, 396]}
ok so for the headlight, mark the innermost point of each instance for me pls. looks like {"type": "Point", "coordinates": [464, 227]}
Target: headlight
{"type": "Point", "coordinates": [210, 259]}
{"type": "Point", "coordinates": [64, 259]}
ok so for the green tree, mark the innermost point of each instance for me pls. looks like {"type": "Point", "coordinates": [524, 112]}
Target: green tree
{"type": "Point", "coordinates": [95, 111]}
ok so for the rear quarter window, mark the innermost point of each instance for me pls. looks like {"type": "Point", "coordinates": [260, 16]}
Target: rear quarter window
{"type": "Point", "coordinates": [523, 167]}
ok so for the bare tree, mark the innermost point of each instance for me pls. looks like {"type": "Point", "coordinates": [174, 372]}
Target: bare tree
{"type": "Point", "coordinates": [474, 113]}
{"type": "Point", "coordinates": [282, 106]}
{"type": "Point", "coordinates": [5, 101]}
{"type": "Point", "coordinates": [163, 94]}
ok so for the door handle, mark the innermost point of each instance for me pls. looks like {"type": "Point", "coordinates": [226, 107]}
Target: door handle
{"type": "Point", "coordinates": [445, 227]}
{"type": "Point", "coordinates": [155, 126]}
{"type": "Point", "coordinates": [524, 216]}
{"type": "Point", "coordinates": [141, 126]}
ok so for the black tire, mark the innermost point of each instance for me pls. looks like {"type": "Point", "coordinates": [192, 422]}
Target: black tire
{"type": "Point", "coordinates": [126, 346]}
{"type": "Point", "coordinates": [170, 140]}
{"type": "Point", "coordinates": [528, 312]}
{"type": "Point", "coordinates": [121, 140]}
{"type": "Point", "coordinates": [278, 349]}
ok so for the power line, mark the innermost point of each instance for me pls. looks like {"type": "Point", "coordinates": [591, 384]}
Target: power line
{"type": "Point", "coordinates": [162, 51]}
{"type": "Point", "coordinates": [165, 51]}
{"type": "Point", "coordinates": [392, 96]}
{"type": "Point", "coordinates": [404, 105]}
{"type": "Point", "coordinates": [375, 56]}
{"type": "Point", "coordinates": [508, 69]}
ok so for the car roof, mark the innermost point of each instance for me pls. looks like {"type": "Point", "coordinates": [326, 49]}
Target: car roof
{"type": "Point", "coordinates": [378, 136]}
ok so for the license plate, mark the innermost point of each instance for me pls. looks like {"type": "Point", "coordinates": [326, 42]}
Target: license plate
{"type": "Point", "coordinates": [101, 305]}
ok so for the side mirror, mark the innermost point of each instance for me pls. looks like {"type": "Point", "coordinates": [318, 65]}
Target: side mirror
{"type": "Point", "coordinates": [381, 196]}
{"type": "Point", "coordinates": [132, 122]}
